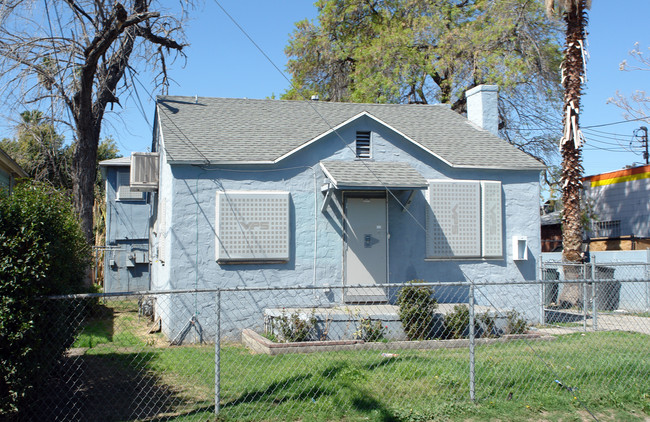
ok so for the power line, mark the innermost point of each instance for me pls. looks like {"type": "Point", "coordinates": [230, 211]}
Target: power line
{"type": "Point", "coordinates": [332, 128]}
{"type": "Point", "coordinates": [605, 132]}
{"type": "Point", "coordinates": [616, 123]}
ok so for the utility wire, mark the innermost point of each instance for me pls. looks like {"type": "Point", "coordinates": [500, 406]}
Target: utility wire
{"type": "Point", "coordinates": [334, 130]}
{"type": "Point", "coordinates": [616, 123]}
{"type": "Point", "coordinates": [605, 132]}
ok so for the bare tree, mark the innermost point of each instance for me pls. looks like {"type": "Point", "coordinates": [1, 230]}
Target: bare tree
{"type": "Point", "coordinates": [72, 57]}
{"type": "Point", "coordinates": [637, 105]}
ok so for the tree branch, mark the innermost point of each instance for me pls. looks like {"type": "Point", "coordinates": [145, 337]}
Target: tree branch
{"type": "Point", "coordinates": [145, 32]}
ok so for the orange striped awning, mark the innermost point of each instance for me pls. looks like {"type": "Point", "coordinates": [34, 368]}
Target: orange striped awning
{"type": "Point", "coordinates": [619, 176]}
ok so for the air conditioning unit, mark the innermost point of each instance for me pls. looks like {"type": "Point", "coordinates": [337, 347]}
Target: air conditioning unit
{"type": "Point", "coordinates": [144, 171]}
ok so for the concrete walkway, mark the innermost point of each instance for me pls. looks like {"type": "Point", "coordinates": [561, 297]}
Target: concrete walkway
{"type": "Point", "coordinates": [605, 322]}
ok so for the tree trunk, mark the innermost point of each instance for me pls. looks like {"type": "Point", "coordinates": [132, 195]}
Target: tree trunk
{"type": "Point", "coordinates": [576, 20]}
{"type": "Point", "coordinates": [84, 174]}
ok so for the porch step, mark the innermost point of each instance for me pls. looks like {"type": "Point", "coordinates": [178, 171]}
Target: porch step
{"type": "Point", "coordinates": [364, 295]}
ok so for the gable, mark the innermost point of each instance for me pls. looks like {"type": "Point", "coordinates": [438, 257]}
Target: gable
{"type": "Point", "coordinates": [238, 131]}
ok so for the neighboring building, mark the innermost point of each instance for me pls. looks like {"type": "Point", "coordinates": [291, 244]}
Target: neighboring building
{"type": "Point", "coordinates": [551, 231]}
{"type": "Point", "coordinates": [620, 203]}
{"type": "Point", "coordinates": [126, 258]}
{"type": "Point", "coordinates": [267, 193]}
{"type": "Point", "coordinates": [10, 171]}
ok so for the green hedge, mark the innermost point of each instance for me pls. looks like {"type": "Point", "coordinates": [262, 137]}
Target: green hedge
{"type": "Point", "coordinates": [42, 252]}
{"type": "Point", "coordinates": [417, 306]}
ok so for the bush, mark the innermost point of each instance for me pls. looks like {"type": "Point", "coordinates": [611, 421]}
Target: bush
{"type": "Point", "coordinates": [515, 323]}
{"type": "Point", "coordinates": [42, 252]}
{"type": "Point", "coordinates": [292, 328]}
{"type": "Point", "coordinates": [369, 329]}
{"type": "Point", "coordinates": [457, 322]}
{"type": "Point", "coordinates": [416, 310]}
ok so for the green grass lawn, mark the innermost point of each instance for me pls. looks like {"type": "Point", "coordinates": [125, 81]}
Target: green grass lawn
{"type": "Point", "coordinates": [606, 372]}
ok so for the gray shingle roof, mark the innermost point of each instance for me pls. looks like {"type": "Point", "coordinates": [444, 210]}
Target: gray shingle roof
{"type": "Point", "coordinates": [121, 161]}
{"type": "Point", "coordinates": [370, 174]}
{"type": "Point", "coordinates": [227, 130]}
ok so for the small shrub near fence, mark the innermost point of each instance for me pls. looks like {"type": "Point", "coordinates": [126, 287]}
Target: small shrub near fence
{"type": "Point", "coordinates": [417, 305]}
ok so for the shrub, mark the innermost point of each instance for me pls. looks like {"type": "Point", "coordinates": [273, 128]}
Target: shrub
{"type": "Point", "coordinates": [42, 252]}
{"type": "Point", "coordinates": [293, 328]}
{"type": "Point", "coordinates": [515, 323]}
{"type": "Point", "coordinates": [457, 323]}
{"type": "Point", "coordinates": [487, 323]}
{"type": "Point", "coordinates": [370, 330]}
{"type": "Point", "coordinates": [416, 310]}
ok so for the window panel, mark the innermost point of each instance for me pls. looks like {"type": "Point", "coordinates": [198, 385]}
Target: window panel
{"type": "Point", "coordinates": [252, 226]}
{"type": "Point", "coordinates": [464, 219]}
{"type": "Point", "coordinates": [491, 227]}
{"type": "Point", "coordinates": [453, 224]}
{"type": "Point", "coordinates": [124, 192]}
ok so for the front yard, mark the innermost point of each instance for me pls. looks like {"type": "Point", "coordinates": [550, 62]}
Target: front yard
{"type": "Point", "coordinates": [606, 373]}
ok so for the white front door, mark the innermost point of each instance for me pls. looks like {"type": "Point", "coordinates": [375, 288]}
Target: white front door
{"type": "Point", "coordinates": [366, 252]}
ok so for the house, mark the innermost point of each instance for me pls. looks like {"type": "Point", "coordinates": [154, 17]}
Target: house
{"type": "Point", "coordinates": [126, 256]}
{"type": "Point", "coordinates": [10, 171]}
{"type": "Point", "coordinates": [620, 203]}
{"type": "Point", "coordinates": [268, 193]}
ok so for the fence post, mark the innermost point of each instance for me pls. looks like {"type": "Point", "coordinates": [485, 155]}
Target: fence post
{"type": "Point", "coordinates": [542, 293]}
{"type": "Point", "coordinates": [584, 297]}
{"type": "Point", "coordinates": [594, 292]}
{"type": "Point", "coordinates": [472, 392]}
{"type": "Point", "coordinates": [217, 355]}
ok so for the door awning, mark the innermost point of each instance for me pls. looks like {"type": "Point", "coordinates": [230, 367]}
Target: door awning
{"type": "Point", "coordinates": [364, 175]}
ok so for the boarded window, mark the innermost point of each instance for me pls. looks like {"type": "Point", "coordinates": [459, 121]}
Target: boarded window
{"type": "Point", "coordinates": [464, 219]}
{"type": "Point", "coordinates": [363, 144]}
{"type": "Point", "coordinates": [124, 191]}
{"type": "Point", "coordinates": [491, 226]}
{"type": "Point", "coordinates": [252, 226]}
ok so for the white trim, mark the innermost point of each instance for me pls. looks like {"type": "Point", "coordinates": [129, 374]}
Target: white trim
{"type": "Point", "coordinates": [336, 128]}
{"type": "Point", "coordinates": [217, 163]}
{"type": "Point", "coordinates": [322, 135]}
{"type": "Point", "coordinates": [350, 120]}
{"type": "Point", "coordinates": [327, 174]}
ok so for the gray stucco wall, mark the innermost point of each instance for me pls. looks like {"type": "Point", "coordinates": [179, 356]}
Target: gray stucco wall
{"type": "Point", "coordinates": [631, 269]}
{"type": "Point", "coordinates": [190, 194]}
{"type": "Point", "coordinates": [627, 202]}
{"type": "Point", "coordinates": [127, 239]}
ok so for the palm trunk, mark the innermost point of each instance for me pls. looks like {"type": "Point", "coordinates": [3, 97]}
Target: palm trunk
{"type": "Point", "coordinates": [574, 71]}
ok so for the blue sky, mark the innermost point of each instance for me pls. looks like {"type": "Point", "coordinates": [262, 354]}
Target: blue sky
{"type": "Point", "coordinates": [222, 62]}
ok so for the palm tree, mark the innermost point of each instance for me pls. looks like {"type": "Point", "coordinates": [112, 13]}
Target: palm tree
{"type": "Point", "coordinates": [574, 13]}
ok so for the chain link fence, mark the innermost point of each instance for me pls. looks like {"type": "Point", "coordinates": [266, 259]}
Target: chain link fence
{"type": "Point", "coordinates": [420, 351]}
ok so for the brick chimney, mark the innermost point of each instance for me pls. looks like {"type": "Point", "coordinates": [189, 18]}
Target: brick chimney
{"type": "Point", "coordinates": [482, 107]}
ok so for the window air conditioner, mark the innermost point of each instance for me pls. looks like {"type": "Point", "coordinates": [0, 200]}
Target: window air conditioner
{"type": "Point", "coordinates": [144, 171]}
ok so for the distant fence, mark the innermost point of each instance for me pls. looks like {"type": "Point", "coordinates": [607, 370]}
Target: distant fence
{"type": "Point", "coordinates": [292, 354]}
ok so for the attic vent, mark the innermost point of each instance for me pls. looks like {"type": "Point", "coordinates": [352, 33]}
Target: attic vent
{"type": "Point", "coordinates": [144, 171]}
{"type": "Point", "coordinates": [363, 144]}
